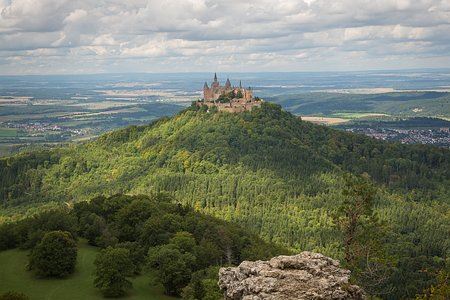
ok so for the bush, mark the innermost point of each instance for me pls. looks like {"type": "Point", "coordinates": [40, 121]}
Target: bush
{"type": "Point", "coordinates": [8, 239]}
{"type": "Point", "coordinates": [55, 255]}
{"type": "Point", "coordinates": [13, 296]}
{"type": "Point", "coordinates": [203, 285]}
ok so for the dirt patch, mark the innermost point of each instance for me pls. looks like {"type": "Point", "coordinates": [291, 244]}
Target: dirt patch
{"type": "Point", "coordinates": [324, 120]}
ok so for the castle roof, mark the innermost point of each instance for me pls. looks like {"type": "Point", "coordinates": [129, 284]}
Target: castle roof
{"type": "Point", "coordinates": [228, 83]}
{"type": "Point", "coordinates": [205, 86]}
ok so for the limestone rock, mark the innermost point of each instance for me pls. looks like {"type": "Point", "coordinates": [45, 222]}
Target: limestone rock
{"type": "Point", "coordinates": [307, 275]}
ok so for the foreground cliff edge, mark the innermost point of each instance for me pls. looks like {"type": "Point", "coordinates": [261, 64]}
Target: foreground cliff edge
{"type": "Point", "coordinates": [307, 275]}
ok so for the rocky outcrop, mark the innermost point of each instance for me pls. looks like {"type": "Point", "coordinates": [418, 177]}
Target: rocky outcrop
{"type": "Point", "coordinates": [307, 275]}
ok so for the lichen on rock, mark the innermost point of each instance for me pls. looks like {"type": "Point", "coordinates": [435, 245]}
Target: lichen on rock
{"type": "Point", "coordinates": [307, 275]}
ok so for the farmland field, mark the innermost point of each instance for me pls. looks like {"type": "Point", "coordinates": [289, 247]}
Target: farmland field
{"type": "Point", "coordinates": [325, 120]}
{"type": "Point", "coordinates": [8, 132]}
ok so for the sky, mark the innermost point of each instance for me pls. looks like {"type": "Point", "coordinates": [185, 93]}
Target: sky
{"type": "Point", "coordinates": [109, 36]}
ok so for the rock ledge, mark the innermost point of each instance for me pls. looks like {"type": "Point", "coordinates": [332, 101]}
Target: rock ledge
{"type": "Point", "coordinates": [307, 275]}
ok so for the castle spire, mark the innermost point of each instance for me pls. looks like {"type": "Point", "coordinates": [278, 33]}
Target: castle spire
{"type": "Point", "coordinates": [215, 77]}
{"type": "Point", "coordinates": [205, 86]}
{"type": "Point", "coordinates": [240, 84]}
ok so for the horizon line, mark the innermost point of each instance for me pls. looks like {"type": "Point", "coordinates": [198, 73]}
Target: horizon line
{"type": "Point", "coordinates": [226, 72]}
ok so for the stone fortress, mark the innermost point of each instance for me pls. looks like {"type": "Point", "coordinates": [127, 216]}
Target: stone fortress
{"type": "Point", "coordinates": [228, 98]}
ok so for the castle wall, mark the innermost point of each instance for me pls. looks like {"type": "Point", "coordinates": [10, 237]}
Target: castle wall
{"type": "Point", "coordinates": [236, 105]}
{"type": "Point", "coordinates": [240, 105]}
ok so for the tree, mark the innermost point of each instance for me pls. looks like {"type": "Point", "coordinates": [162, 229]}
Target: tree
{"type": "Point", "coordinates": [184, 241]}
{"type": "Point", "coordinates": [92, 226]}
{"type": "Point", "coordinates": [158, 229]}
{"type": "Point", "coordinates": [203, 285]}
{"type": "Point", "coordinates": [440, 290]}
{"type": "Point", "coordinates": [8, 238]}
{"type": "Point", "coordinates": [363, 234]}
{"type": "Point", "coordinates": [173, 267]}
{"type": "Point", "coordinates": [137, 255]}
{"type": "Point", "coordinates": [113, 266]}
{"type": "Point", "coordinates": [356, 208]}
{"type": "Point", "coordinates": [55, 255]}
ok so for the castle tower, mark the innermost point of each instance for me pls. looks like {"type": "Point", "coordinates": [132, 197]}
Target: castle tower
{"type": "Point", "coordinates": [228, 84]}
{"type": "Point", "coordinates": [248, 94]}
{"type": "Point", "coordinates": [206, 92]}
{"type": "Point", "coordinates": [215, 83]}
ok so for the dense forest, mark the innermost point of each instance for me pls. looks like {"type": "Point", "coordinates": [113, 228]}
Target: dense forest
{"type": "Point", "coordinates": [183, 247]}
{"type": "Point", "coordinates": [276, 176]}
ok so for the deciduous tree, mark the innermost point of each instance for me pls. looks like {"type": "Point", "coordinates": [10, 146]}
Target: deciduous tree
{"type": "Point", "coordinates": [113, 266]}
{"type": "Point", "coordinates": [55, 255]}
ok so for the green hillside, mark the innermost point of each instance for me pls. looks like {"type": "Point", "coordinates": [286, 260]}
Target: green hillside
{"type": "Point", "coordinates": [266, 170]}
{"type": "Point", "coordinates": [79, 286]}
{"type": "Point", "coordinates": [168, 249]}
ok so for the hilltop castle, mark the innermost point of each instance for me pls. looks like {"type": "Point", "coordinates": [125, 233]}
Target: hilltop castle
{"type": "Point", "coordinates": [228, 98]}
{"type": "Point", "coordinates": [216, 90]}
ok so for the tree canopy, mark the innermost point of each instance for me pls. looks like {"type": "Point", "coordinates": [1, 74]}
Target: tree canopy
{"type": "Point", "coordinates": [55, 255]}
{"type": "Point", "coordinates": [113, 266]}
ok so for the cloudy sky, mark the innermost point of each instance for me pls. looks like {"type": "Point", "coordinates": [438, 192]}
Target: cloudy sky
{"type": "Point", "coordinates": [95, 36]}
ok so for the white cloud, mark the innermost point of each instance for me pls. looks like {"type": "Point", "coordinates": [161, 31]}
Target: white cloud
{"type": "Point", "coordinates": [209, 35]}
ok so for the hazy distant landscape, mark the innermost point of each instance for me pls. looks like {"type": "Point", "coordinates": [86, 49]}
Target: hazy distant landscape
{"type": "Point", "coordinates": [48, 110]}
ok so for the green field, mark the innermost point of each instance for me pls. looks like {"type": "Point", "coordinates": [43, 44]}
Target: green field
{"type": "Point", "coordinates": [14, 277]}
{"type": "Point", "coordinates": [357, 115]}
{"type": "Point", "coordinates": [8, 132]}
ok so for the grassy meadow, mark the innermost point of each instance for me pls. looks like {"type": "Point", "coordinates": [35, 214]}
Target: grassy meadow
{"type": "Point", "coordinates": [15, 277]}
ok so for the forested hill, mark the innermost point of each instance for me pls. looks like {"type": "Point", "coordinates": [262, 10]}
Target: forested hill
{"type": "Point", "coordinates": [196, 144]}
{"type": "Point", "coordinates": [276, 175]}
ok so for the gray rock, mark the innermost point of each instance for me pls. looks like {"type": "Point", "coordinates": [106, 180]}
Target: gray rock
{"type": "Point", "coordinates": [307, 275]}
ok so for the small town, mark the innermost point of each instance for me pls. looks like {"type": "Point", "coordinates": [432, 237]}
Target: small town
{"type": "Point", "coordinates": [436, 136]}
{"type": "Point", "coordinates": [46, 129]}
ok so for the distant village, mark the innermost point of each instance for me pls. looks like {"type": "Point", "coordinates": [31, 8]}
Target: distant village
{"type": "Point", "coordinates": [435, 136]}
{"type": "Point", "coordinates": [228, 98]}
